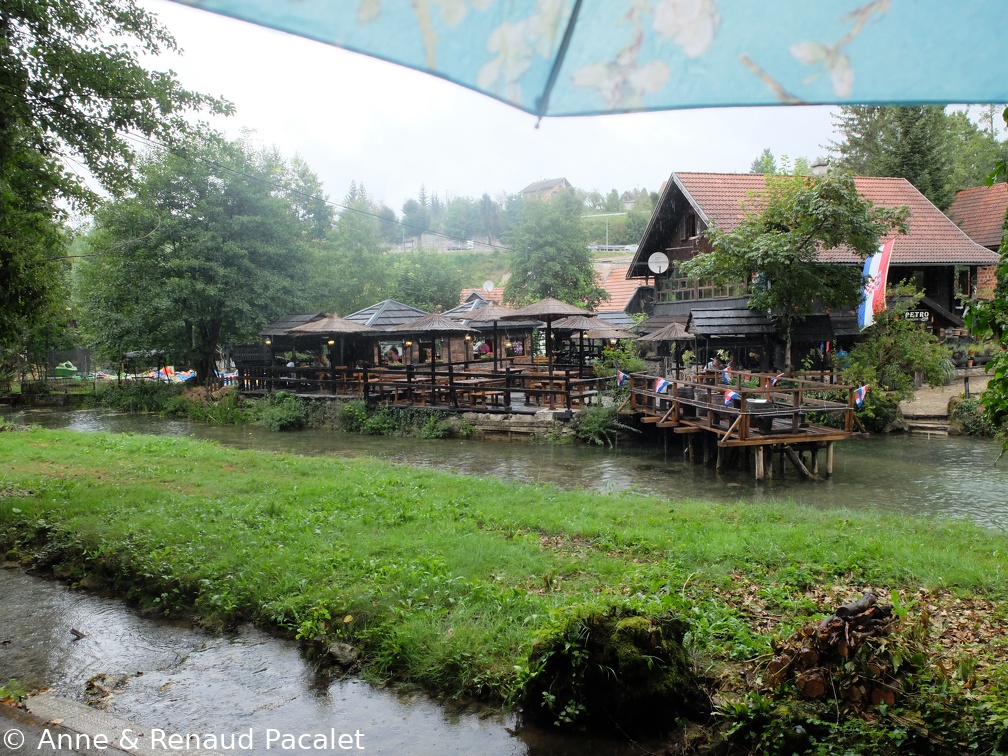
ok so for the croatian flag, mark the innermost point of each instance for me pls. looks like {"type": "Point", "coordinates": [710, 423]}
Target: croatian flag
{"type": "Point", "coordinates": [726, 376]}
{"type": "Point", "coordinates": [876, 270]}
{"type": "Point", "coordinates": [859, 395]}
{"type": "Point", "coordinates": [660, 385]}
{"type": "Point", "coordinates": [620, 377]}
{"type": "Point", "coordinates": [773, 381]}
{"type": "Point", "coordinates": [729, 397]}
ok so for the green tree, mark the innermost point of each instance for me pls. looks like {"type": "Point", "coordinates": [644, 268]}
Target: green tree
{"type": "Point", "coordinates": [490, 221]}
{"type": "Point", "coordinates": [71, 86]}
{"type": "Point", "coordinates": [550, 255]}
{"type": "Point", "coordinates": [211, 246]}
{"type": "Point", "coordinates": [416, 217]}
{"type": "Point", "coordinates": [911, 142]}
{"type": "Point", "coordinates": [973, 151]}
{"type": "Point", "coordinates": [894, 349]}
{"type": "Point", "coordinates": [861, 128]}
{"type": "Point", "coordinates": [462, 218]}
{"type": "Point", "coordinates": [766, 163]}
{"type": "Point", "coordinates": [988, 321]}
{"type": "Point", "coordinates": [777, 247]}
{"type": "Point", "coordinates": [423, 280]}
{"type": "Point", "coordinates": [353, 261]}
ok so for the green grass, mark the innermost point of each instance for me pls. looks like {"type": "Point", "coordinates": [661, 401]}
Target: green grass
{"type": "Point", "coordinates": [442, 579]}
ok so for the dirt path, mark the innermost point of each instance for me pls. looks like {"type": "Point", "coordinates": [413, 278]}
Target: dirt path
{"type": "Point", "coordinates": [933, 402]}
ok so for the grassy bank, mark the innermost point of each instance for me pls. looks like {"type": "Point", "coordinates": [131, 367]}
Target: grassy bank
{"type": "Point", "coordinates": [464, 585]}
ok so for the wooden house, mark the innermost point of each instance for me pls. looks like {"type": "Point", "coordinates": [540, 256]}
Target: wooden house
{"type": "Point", "coordinates": [935, 255]}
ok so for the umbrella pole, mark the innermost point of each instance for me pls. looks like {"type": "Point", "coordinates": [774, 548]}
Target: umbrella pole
{"type": "Point", "coordinates": [495, 341]}
{"type": "Point", "coordinates": [580, 354]}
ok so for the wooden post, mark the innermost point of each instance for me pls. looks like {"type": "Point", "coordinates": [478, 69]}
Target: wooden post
{"type": "Point", "coordinates": [815, 460]}
{"type": "Point", "coordinates": [767, 452]}
{"type": "Point", "coordinates": [507, 381]}
{"type": "Point", "coordinates": [796, 460]}
{"type": "Point", "coordinates": [759, 463]}
{"type": "Point", "coordinates": [720, 458]}
{"type": "Point", "coordinates": [829, 458]}
{"type": "Point", "coordinates": [692, 447]}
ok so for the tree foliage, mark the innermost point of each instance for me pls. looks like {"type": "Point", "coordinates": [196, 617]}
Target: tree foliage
{"type": "Point", "coordinates": [549, 253]}
{"type": "Point", "coordinates": [893, 349]}
{"type": "Point", "coordinates": [423, 280]}
{"type": "Point", "coordinates": [209, 248]}
{"type": "Point", "coordinates": [71, 86]}
{"type": "Point", "coordinates": [938, 152]}
{"type": "Point", "coordinates": [777, 247]}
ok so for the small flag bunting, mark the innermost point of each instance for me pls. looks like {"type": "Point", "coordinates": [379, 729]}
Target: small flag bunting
{"type": "Point", "coordinates": [859, 394]}
{"type": "Point", "coordinates": [730, 396]}
{"type": "Point", "coordinates": [621, 377]}
{"type": "Point", "coordinates": [660, 386]}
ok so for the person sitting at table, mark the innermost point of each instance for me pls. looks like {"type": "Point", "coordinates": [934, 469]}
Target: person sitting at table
{"type": "Point", "coordinates": [484, 349]}
{"type": "Point", "coordinates": [392, 356]}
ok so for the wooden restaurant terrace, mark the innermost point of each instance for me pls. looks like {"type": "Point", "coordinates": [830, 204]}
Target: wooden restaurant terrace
{"type": "Point", "coordinates": [515, 387]}
{"type": "Point", "coordinates": [741, 411]}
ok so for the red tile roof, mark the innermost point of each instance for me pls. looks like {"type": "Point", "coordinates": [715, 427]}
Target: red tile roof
{"type": "Point", "coordinates": [980, 212]}
{"type": "Point", "coordinates": [621, 290]}
{"type": "Point", "coordinates": [495, 295]}
{"type": "Point", "coordinates": [932, 239]}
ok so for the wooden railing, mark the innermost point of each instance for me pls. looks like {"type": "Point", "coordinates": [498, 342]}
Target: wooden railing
{"type": "Point", "coordinates": [741, 406]}
{"type": "Point", "coordinates": [478, 388]}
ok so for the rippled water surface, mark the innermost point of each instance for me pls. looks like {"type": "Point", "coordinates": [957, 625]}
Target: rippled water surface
{"type": "Point", "coordinates": [939, 476]}
{"type": "Point", "coordinates": [182, 680]}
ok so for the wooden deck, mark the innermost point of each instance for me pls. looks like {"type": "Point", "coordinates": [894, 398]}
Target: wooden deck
{"type": "Point", "coordinates": [758, 411]}
{"type": "Point", "coordinates": [522, 389]}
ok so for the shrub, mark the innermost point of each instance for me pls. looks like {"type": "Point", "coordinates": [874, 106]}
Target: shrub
{"type": "Point", "coordinates": [435, 427]}
{"type": "Point", "coordinates": [967, 417]}
{"type": "Point", "coordinates": [353, 416]}
{"type": "Point", "coordinates": [279, 411]}
{"type": "Point", "coordinates": [600, 425]}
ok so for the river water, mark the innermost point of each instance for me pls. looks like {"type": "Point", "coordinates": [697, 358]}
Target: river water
{"type": "Point", "coordinates": [954, 477]}
{"type": "Point", "coordinates": [185, 681]}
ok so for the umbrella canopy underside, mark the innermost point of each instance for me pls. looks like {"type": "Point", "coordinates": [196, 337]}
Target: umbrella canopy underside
{"type": "Point", "coordinates": [584, 57]}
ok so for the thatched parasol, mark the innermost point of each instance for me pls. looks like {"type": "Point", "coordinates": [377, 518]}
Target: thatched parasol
{"type": "Point", "coordinates": [492, 313]}
{"type": "Point", "coordinates": [672, 332]}
{"type": "Point", "coordinates": [608, 333]}
{"type": "Point", "coordinates": [433, 326]}
{"type": "Point", "coordinates": [331, 325]}
{"type": "Point", "coordinates": [547, 310]}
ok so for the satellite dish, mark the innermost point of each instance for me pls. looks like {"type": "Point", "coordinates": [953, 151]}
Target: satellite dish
{"type": "Point", "coordinates": [658, 262]}
{"type": "Point", "coordinates": [488, 286]}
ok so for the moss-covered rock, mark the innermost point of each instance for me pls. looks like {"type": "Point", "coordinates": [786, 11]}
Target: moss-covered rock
{"type": "Point", "coordinates": [613, 671]}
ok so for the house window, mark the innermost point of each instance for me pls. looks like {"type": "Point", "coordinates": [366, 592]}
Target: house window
{"type": "Point", "coordinates": [689, 226]}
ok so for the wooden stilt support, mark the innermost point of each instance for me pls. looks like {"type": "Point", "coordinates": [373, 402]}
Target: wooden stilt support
{"type": "Point", "coordinates": [692, 447]}
{"type": "Point", "coordinates": [815, 460]}
{"type": "Point", "coordinates": [767, 452]}
{"type": "Point", "coordinates": [720, 459]}
{"type": "Point", "coordinates": [796, 460]}
{"type": "Point", "coordinates": [759, 463]}
{"type": "Point", "coordinates": [829, 458]}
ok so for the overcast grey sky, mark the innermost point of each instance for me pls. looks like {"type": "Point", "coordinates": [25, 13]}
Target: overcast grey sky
{"type": "Point", "coordinates": [353, 118]}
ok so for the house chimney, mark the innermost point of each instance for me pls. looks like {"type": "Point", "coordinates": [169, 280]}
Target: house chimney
{"type": "Point", "coordinates": [820, 167]}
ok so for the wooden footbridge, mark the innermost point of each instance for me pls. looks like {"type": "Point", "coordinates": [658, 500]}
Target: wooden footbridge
{"type": "Point", "coordinates": [740, 415]}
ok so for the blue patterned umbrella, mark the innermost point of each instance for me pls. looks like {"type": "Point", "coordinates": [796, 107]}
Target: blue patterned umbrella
{"type": "Point", "coordinates": [581, 57]}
